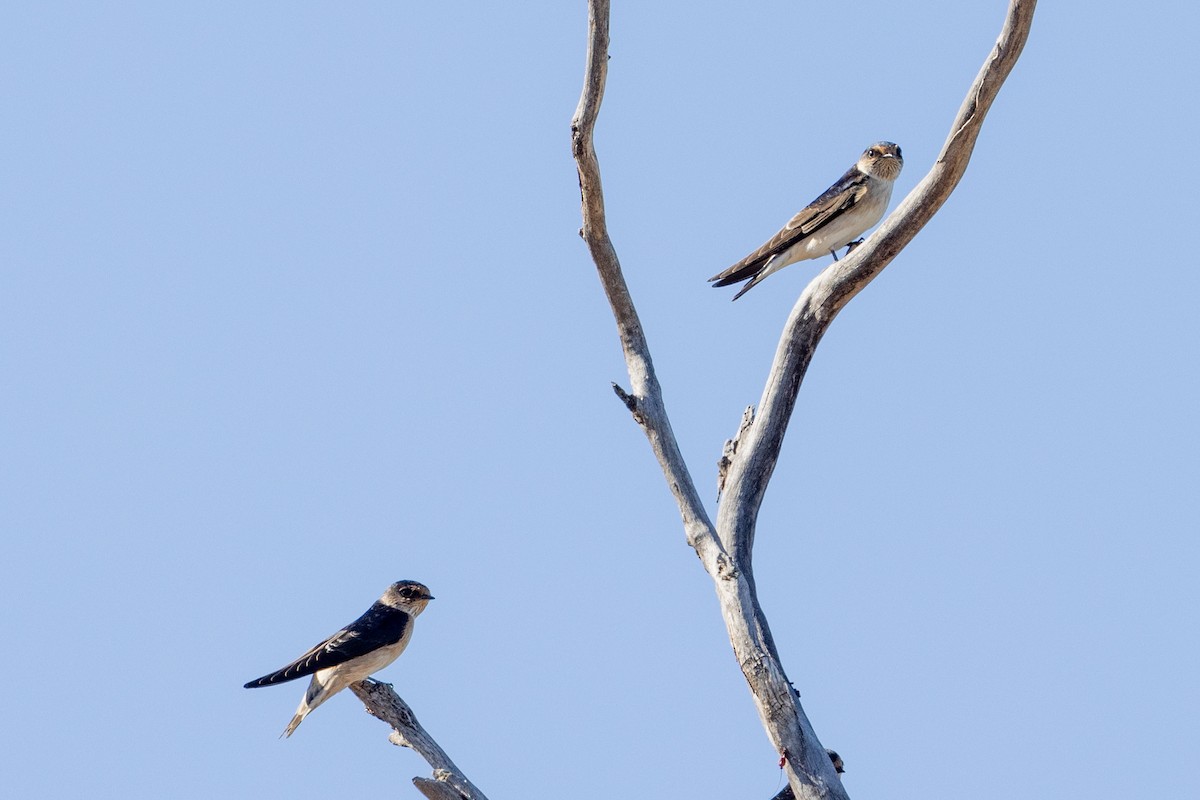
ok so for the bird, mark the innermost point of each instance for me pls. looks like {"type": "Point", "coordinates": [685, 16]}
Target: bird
{"type": "Point", "coordinates": [363, 647]}
{"type": "Point", "coordinates": [840, 215]}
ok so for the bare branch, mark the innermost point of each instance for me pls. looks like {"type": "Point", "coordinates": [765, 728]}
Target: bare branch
{"type": "Point", "coordinates": [803, 757]}
{"type": "Point", "coordinates": [750, 457]}
{"type": "Point", "coordinates": [829, 291]}
{"type": "Point", "coordinates": [645, 398]}
{"type": "Point", "coordinates": [448, 783]}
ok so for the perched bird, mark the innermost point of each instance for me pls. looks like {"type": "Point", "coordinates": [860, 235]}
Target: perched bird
{"type": "Point", "coordinates": [366, 645]}
{"type": "Point", "coordinates": [835, 219]}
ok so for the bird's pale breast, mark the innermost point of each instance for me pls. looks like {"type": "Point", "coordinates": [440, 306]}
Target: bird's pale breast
{"type": "Point", "coordinates": [849, 226]}
{"type": "Point", "coordinates": [364, 666]}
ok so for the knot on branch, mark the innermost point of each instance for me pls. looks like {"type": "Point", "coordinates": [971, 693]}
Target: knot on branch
{"type": "Point", "coordinates": [630, 402]}
{"type": "Point", "coordinates": [730, 450]}
{"type": "Point", "coordinates": [752, 665]}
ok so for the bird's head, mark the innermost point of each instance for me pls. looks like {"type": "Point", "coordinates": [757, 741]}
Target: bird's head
{"type": "Point", "coordinates": [882, 160]}
{"type": "Point", "coordinates": [408, 596]}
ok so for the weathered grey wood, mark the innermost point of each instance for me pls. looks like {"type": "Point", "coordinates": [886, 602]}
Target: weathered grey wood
{"type": "Point", "coordinates": [436, 790]}
{"type": "Point", "coordinates": [750, 458]}
{"type": "Point", "coordinates": [730, 450]}
{"type": "Point", "coordinates": [383, 703]}
{"type": "Point", "coordinates": [786, 792]}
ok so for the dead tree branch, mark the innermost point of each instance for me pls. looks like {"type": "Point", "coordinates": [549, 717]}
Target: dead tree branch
{"type": "Point", "coordinates": [645, 398]}
{"type": "Point", "coordinates": [448, 782]}
{"type": "Point", "coordinates": [725, 550]}
{"type": "Point", "coordinates": [833, 288]}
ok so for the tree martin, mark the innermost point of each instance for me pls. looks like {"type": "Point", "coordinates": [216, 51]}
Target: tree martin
{"type": "Point", "coordinates": [366, 645]}
{"type": "Point", "coordinates": [832, 221]}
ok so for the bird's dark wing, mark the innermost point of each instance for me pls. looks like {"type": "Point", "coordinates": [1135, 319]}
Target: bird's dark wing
{"type": "Point", "coordinates": [380, 626]}
{"type": "Point", "coordinates": [835, 200]}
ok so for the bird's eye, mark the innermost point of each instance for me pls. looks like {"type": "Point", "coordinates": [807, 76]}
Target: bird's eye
{"type": "Point", "coordinates": [897, 151]}
{"type": "Point", "coordinates": [406, 592]}
{"type": "Point", "coordinates": [873, 153]}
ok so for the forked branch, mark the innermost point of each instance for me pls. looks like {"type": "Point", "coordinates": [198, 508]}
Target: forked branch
{"type": "Point", "coordinates": [750, 459]}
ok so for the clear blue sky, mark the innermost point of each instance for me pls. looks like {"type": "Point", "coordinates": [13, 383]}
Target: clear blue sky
{"type": "Point", "coordinates": [292, 306]}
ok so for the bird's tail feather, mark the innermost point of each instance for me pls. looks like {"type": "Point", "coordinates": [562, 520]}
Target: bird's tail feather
{"type": "Point", "coordinates": [318, 692]}
{"type": "Point", "coordinates": [735, 274]}
{"type": "Point", "coordinates": [295, 723]}
{"type": "Point", "coordinates": [750, 284]}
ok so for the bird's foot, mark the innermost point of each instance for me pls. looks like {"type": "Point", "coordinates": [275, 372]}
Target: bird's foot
{"type": "Point", "coordinates": [850, 247]}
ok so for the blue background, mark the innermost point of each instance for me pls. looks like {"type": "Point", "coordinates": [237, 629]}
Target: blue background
{"type": "Point", "coordinates": [292, 305]}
